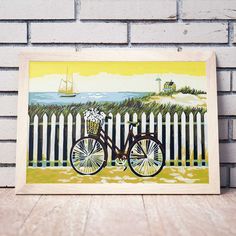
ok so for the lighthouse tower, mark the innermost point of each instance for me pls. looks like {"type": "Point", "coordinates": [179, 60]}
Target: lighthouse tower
{"type": "Point", "coordinates": [158, 85]}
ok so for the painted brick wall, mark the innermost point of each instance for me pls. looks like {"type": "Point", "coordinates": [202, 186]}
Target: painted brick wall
{"type": "Point", "coordinates": [70, 25]}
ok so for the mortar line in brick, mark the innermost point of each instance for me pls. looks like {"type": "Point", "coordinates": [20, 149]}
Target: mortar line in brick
{"type": "Point", "coordinates": [226, 116]}
{"type": "Point", "coordinates": [8, 117]}
{"type": "Point", "coordinates": [230, 33]}
{"type": "Point", "coordinates": [129, 34]}
{"type": "Point", "coordinates": [7, 140]}
{"type": "Point", "coordinates": [179, 9]}
{"type": "Point", "coordinates": [8, 93]}
{"type": "Point", "coordinates": [133, 21]}
{"type": "Point", "coordinates": [9, 69]}
{"type": "Point", "coordinates": [118, 20]}
{"type": "Point", "coordinates": [231, 129]}
{"type": "Point", "coordinates": [186, 45]}
{"type": "Point", "coordinates": [38, 21]}
{"type": "Point", "coordinates": [13, 44]}
{"type": "Point", "coordinates": [7, 165]}
{"type": "Point", "coordinates": [77, 9]}
{"type": "Point", "coordinates": [28, 33]}
{"type": "Point", "coordinates": [231, 81]}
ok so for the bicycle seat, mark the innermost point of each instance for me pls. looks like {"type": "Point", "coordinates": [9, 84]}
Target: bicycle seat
{"type": "Point", "coordinates": [134, 123]}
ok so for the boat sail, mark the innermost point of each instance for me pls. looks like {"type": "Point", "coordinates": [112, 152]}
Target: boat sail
{"type": "Point", "coordinates": [66, 86]}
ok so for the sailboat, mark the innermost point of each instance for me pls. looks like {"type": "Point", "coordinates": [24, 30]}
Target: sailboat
{"type": "Point", "coordinates": [66, 86]}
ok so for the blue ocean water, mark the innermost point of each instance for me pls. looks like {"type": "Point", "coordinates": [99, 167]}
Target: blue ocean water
{"type": "Point", "coordinates": [52, 98]}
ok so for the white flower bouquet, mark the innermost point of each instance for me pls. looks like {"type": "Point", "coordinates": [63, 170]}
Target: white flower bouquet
{"type": "Point", "coordinates": [94, 119]}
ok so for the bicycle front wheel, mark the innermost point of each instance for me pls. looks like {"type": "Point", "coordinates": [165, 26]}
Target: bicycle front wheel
{"type": "Point", "coordinates": [146, 157]}
{"type": "Point", "coordinates": [88, 155]}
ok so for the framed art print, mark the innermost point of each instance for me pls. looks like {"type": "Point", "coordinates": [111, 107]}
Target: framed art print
{"type": "Point", "coordinates": [117, 122]}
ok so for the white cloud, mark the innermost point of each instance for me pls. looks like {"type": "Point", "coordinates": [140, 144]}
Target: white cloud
{"type": "Point", "coordinates": [104, 82]}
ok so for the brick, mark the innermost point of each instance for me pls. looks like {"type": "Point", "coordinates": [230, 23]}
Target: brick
{"type": "Point", "coordinates": [37, 9]}
{"type": "Point", "coordinates": [234, 81]}
{"type": "Point", "coordinates": [226, 104]}
{"type": "Point", "coordinates": [8, 80]}
{"type": "Point", "coordinates": [179, 33]}
{"type": "Point", "coordinates": [225, 56]}
{"type": "Point", "coordinates": [7, 129]}
{"type": "Point", "coordinates": [224, 176]}
{"type": "Point", "coordinates": [128, 9]}
{"type": "Point", "coordinates": [223, 81]}
{"type": "Point", "coordinates": [8, 105]}
{"type": "Point", "coordinates": [227, 152]}
{"type": "Point", "coordinates": [209, 9]}
{"type": "Point", "coordinates": [234, 129]}
{"type": "Point", "coordinates": [7, 176]}
{"type": "Point", "coordinates": [223, 129]}
{"type": "Point", "coordinates": [13, 33]}
{"type": "Point", "coordinates": [9, 56]}
{"type": "Point", "coordinates": [8, 153]}
{"type": "Point", "coordinates": [233, 177]}
{"type": "Point", "coordinates": [79, 33]}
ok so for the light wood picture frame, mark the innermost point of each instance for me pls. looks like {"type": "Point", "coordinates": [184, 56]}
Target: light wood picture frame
{"type": "Point", "coordinates": [164, 101]}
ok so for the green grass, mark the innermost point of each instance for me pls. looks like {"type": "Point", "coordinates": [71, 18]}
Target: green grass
{"type": "Point", "coordinates": [184, 90]}
{"type": "Point", "coordinates": [169, 175]}
{"type": "Point", "coordinates": [133, 105]}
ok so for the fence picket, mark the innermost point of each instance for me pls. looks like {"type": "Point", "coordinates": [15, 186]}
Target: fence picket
{"type": "Point", "coordinates": [191, 139]}
{"type": "Point", "coordinates": [77, 126]}
{"type": "Point", "coordinates": [159, 127]}
{"type": "Point", "coordinates": [205, 138]}
{"type": "Point", "coordinates": [52, 139]}
{"type": "Point", "coordinates": [45, 135]}
{"type": "Point", "coordinates": [135, 119]}
{"type": "Point", "coordinates": [110, 133]}
{"type": "Point", "coordinates": [35, 141]}
{"type": "Point", "coordinates": [199, 139]}
{"type": "Point", "coordinates": [183, 138]}
{"type": "Point", "coordinates": [118, 123]}
{"type": "Point", "coordinates": [151, 123]}
{"type": "Point", "coordinates": [176, 139]}
{"type": "Point", "coordinates": [126, 120]}
{"type": "Point", "coordinates": [168, 138]}
{"type": "Point", "coordinates": [61, 137]}
{"type": "Point", "coordinates": [143, 123]}
{"type": "Point", "coordinates": [69, 135]}
{"type": "Point", "coordinates": [192, 144]}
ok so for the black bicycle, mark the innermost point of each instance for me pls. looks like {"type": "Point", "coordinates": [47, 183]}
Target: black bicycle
{"type": "Point", "coordinates": [145, 153]}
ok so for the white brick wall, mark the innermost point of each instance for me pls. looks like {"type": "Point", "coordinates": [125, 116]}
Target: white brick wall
{"type": "Point", "coordinates": [66, 25]}
{"type": "Point", "coordinates": [79, 33]}
{"type": "Point", "coordinates": [209, 9]}
{"type": "Point", "coordinates": [179, 33]}
{"type": "Point", "coordinates": [37, 9]}
{"type": "Point", "coordinates": [128, 9]}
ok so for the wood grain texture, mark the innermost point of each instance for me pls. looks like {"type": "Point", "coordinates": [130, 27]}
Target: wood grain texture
{"type": "Point", "coordinates": [147, 215]}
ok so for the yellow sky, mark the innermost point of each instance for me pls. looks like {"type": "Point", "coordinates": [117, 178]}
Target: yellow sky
{"type": "Point", "coordinates": [40, 69]}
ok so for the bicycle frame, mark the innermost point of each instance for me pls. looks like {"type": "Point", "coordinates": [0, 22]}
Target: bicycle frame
{"type": "Point", "coordinates": [121, 153]}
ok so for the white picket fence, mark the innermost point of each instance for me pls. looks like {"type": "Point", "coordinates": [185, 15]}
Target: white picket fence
{"type": "Point", "coordinates": [184, 137]}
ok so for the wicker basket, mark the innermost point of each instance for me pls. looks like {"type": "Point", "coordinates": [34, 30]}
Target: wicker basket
{"type": "Point", "coordinates": [93, 127]}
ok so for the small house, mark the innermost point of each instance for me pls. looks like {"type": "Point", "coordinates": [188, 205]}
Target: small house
{"type": "Point", "coordinates": [169, 86]}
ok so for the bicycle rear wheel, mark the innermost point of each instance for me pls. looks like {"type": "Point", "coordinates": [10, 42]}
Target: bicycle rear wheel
{"type": "Point", "coordinates": [146, 157]}
{"type": "Point", "coordinates": [88, 155]}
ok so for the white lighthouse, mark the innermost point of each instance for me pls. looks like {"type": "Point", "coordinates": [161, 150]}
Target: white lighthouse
{"type": "Point", "coordinates": [158, 85]}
